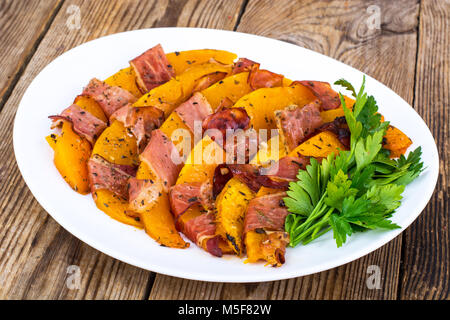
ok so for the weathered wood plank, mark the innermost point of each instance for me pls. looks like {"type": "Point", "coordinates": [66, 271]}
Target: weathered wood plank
{"type": "Point", "coordinates": [426, 252]}
{"type": "Point", "coordinates": [35, 251]}
{"type": "Point", "coordinates": [22, 25]}
{"type": "Point", "coordinates": [340, 29]}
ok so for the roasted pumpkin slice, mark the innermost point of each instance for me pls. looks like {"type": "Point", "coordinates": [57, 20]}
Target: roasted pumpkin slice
{"type": "Point", "coordinates": [233, 87]}
{"type": "Point", "coordinates": [201, 162]}
{"type": "Point", "coordinates": [159, 224]}
{"type": "Point", "coordinates": [264, 246]}
{"type": "Point", "coordinates": [319, 146]}
{"type": "Point", "coordinates": [183, 60]}
{"type": "Point", "coordinates": [116, 208]}
{"type": "Point", "coordinates": [126, 79]}
{"type": "Point", "coordinates": [71, 156]}
{"type": "Point", "coordinates": [199, 167]}
{"type": "Point", "coordinates": [396, 142]}
{"type": "Point", "coordinates": [262, 103]}
{"type": "Point", "coordinates": [177, 131]}
{"type": "Point", "coordinates": [117, 145]}
{"type": "Point", "coordinates": [330, 115]}
{"type": "Point", "coordinates": [264, 191]}
{"type": "Point", "coordinates": [52, 139]}
{"type": "Point", "coordinates": [231, 206]}
{"type": "Point", "coordinates": [269, 152]}
{"type": "Point", "coordinates": [91, 106]}
{"type": "Point", "coordinates": [169, 95]}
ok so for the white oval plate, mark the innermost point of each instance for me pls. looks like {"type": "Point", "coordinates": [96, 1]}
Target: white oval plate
{"type": "Point", "coordinates": [56, 86]}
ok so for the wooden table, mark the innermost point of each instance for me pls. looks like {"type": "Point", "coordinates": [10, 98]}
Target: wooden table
{"type": "Point", "coordinates": [404, 44]}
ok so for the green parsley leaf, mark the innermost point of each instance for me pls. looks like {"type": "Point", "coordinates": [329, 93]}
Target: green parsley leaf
{"type": "Point", "coordinates": [341, 229]}
{"type": "Point", "coordinates": [338, 190]}
{"type": "Point", "coordinates": [347, 85]}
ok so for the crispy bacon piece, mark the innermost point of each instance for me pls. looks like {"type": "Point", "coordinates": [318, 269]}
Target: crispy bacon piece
{"type": "Point", "coordinates": [267, 213]}
{"type": "Point", "coordinates": [208, 80]}
{"type": "Point", "coordinates": [228, 125]}
{"type": "Point", "coordinates": [339, 127]}
{"type": "Point", "coordinates": [142, 193]}
{"type": "Point", "coordinates": [141, 121]}
{"type": "Point", "coordinates": [229, 118]}
{"type": "Point", "coordinates": [163, 158]}
{"type": "Point", "coordinates": [287, 167]}
{"type": "Point", "coordinates": [83, 122]}
{"type": "Point", "coordinates": [203, 228]}
{"type": "Point", "coordinates": [252, 176]}
{"type": "Point", "coordinates": [244, 64]}
{"type": "Point", "coordinates": [197, 108]}
{"type": "Point", "coordinates": [264, 79]}
{"type": "Point", "coordinates": [323, 91]}
{"type": "Point", "coordinates": [110, 98]}
{"type": "Point", "coordinates": [221, 176]}
{"type": "Point", "coordinates": [182, 196]}
{"type": "Point", "coordinates": [152, 69]}
{"type": "Point", "coordinates": [110, 176]}
{"type": "Point", "coordinates": [276, 176]}
{"type": "Point", "coordinates": [212, 246]}
{"type": "Point", "coordinates": [256, 177]}
{"type": "Point", "coordinates": [297, 123]}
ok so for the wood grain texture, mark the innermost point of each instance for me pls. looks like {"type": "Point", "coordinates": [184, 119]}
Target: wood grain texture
{"type": "Point", "coordinates": [22, 25]}
{"type": "Point", "coordinates": [340, 29]}
{"type": "Point", "coordinates": [35, 251]}
{"type": "Point", "coordinates": [426, 252]}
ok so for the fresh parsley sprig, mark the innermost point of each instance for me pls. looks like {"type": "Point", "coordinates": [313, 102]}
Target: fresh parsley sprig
{"type": "Point", "coordinates": [356, 190]}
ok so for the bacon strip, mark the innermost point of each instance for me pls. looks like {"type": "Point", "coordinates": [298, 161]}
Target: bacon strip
{"type": "Point", "coordinates": [228, 124]}
{"type": "Point", "coordinates": [221, 176]}
{"type": "Point", "coordinates": [110, 98]}
{"type": "Point", "coordinates": [253, 176]}
{"type": "Point", "coordinates": [152, 69]}
{"type": "Point", "coordinates": [183, 196]}
{"type": "Point", "coordinates": [212, 246]}
{"type": "Point", "coordinates": [143, 193]}
{"type": "Point", "coordinates": [203, 228]}
{"type": "Point", "coordinates": [110, 176]}
{"type": "Point", "coordinates": [297, 123]}
{"type": "Point", "coordinates": [141, 121]}
{"type": "Point", "coordinates": [197, 108]}
{"type": "Point", "coordinates": [163, 158]}
{"type": "Point", "coordinates": [287, 168]}
{"type": "Point", "coordinates": [267, 212]}
{"type": "Point", "coordinates": [244, 64]}
{"type": "Point", "coordinates": [208, 80]}
{"type": "Point", "coordinates": [323, 91]}
{"type": "Point", "coordinates": [83, 122]}
{"type": "Point", "coordinates": [276, 176]}
{"type": "Point", "coordinates": [264, 79]}
{"type": "Point", "coordinates": [227, 119]}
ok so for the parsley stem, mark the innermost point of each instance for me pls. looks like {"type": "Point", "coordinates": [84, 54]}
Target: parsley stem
{"type": "Point", "coordinates": [315, 236]}
{"type": "Point", "coordinates": [316, 227]}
